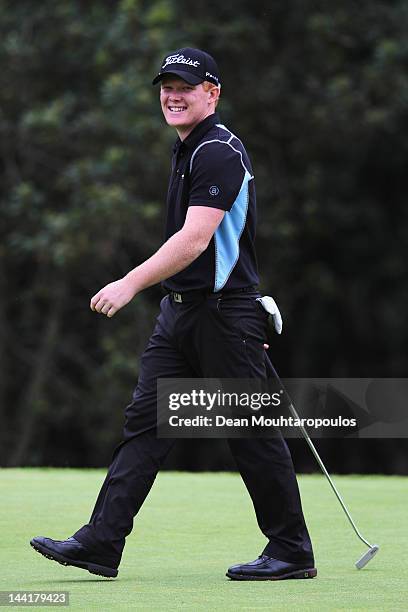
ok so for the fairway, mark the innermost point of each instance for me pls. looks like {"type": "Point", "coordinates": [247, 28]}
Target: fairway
{"type": "Point", "coordinates": [191, 528]}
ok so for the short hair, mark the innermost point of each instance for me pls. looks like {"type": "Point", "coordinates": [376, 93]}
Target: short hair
{"type": "Point", "coordinates": [208, 86]}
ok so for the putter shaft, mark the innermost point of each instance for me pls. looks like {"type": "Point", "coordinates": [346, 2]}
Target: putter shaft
{"type": "Point", "coordinates": [325, 472]}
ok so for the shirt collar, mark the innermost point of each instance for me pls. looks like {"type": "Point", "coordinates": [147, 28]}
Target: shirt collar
{"type": "Point", "coordinates": [198, 132]}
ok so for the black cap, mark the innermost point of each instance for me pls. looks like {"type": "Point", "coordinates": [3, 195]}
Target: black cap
{"type": "Point", "coordinates": [192, 65]}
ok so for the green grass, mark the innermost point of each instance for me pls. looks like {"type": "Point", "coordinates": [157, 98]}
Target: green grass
{"type": "Point", "coordinates": [191, 528]}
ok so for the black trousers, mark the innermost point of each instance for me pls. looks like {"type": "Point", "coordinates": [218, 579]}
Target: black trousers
{"type": "Point", "coordinates": [208, 337]}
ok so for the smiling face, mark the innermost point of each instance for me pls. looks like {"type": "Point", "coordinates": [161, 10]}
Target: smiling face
{"type": "Point", "coordinates": [184, 106]}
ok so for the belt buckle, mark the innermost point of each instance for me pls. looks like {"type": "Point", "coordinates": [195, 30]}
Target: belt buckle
{"type": "Point", "coordinates": [177, 297]}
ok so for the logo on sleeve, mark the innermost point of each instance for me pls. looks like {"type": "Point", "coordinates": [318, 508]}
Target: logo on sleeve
{"type": "Point", "coordinates": [213, 190]}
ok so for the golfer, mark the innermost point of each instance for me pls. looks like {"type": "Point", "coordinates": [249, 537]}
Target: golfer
{"type": "Point", "coordinates": [210, 325]}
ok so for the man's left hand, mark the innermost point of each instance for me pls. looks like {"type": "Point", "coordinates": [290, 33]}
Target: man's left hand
{"type": "Point", "coordinates": [113, 297]}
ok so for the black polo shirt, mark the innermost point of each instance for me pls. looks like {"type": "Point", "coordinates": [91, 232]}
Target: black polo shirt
{"type": "Point", "coordinates": [211, 168]}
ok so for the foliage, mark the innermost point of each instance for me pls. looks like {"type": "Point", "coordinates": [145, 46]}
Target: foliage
{"type": "Point", "coordinates": [319, 95]}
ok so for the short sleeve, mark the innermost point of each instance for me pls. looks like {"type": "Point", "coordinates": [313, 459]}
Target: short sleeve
{"type": "Point", "coordinates": [216, 176]}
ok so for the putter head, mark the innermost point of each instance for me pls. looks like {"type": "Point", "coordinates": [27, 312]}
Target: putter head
{"type": "Point", "coordinates": [367, 556]}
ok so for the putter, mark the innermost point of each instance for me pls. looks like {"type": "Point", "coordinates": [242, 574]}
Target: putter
{"type": "Point", "coordinates": [372, 548]}
{"type": "Point", "coordinates": [271, 307]}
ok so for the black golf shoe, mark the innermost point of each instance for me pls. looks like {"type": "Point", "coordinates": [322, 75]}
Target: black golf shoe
{"type": "Point", "coordinates": [268, 568]}
{"type": "Point", "coordinates": [72, 552]}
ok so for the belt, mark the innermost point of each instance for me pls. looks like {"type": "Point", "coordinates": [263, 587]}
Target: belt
{"type": "Point", "coordinates": [198, 294]}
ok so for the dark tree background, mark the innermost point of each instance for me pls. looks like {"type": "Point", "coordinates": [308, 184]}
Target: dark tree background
{"type": "Point", "coordinates": [319, 94]}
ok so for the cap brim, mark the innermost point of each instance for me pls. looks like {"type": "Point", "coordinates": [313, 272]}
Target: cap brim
{"type": "Point", "coordinates": [191, 79]}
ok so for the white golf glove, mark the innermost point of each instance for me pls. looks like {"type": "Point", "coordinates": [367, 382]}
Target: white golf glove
{"type": "Point", "coordinates": [271, 308]}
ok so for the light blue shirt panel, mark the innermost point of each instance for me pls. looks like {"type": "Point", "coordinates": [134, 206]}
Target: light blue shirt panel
{"type": "Point", "coordinates": [228, 233]}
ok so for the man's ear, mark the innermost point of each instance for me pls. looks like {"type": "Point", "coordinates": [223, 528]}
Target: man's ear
{"type": "Point", "coordinates": [214, 94]}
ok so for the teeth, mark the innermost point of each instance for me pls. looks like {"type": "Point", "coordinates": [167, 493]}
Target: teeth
{"type": "Point", "coordinates": [177, 109]}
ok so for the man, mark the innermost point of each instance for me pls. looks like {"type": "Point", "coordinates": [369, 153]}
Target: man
{"type": "Point", "coordinates": [210, 325]}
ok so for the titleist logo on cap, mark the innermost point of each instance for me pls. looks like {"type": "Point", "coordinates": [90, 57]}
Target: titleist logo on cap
{"type": "Point", "coordinates": [192, 65]}
{"type": "Point", "coordinates": [178, 58]}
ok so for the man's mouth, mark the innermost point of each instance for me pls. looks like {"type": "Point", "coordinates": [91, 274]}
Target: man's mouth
{"type": "Point", "coordinates": [177, 109]}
